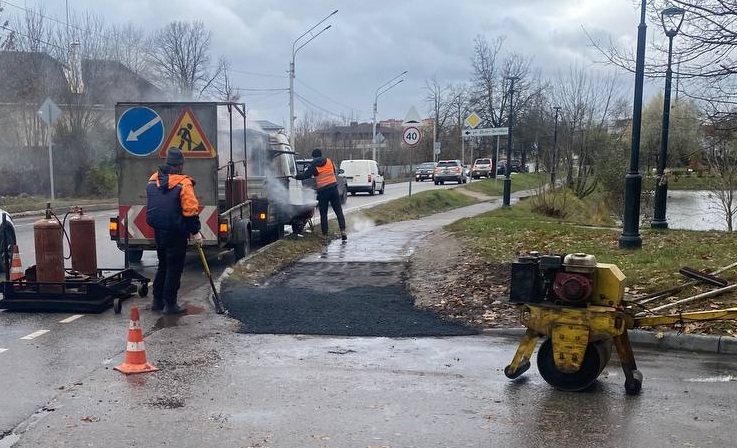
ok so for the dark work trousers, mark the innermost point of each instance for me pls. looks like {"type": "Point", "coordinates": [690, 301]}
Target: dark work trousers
{"type": "Point", "coordinates": [330, 196]}
{"type": "Point", "coordinates": [171, 247]}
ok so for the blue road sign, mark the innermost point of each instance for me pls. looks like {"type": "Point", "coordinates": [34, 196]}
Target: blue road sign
{"type": "Point", "coordinates": [140, 130]}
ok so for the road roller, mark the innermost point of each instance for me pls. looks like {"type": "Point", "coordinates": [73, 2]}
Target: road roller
{"type": "Point", "coordinates": [576, 306]}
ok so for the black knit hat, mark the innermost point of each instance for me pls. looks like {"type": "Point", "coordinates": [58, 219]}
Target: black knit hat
{"type": "Point", "coordinates": [174, 157]}
{"type": "Point", "coordinates": [316, 153]}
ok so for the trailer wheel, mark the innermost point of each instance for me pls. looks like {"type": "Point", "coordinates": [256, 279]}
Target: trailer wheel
{"type": "Point", "coordinates": [143, 290]}
{"type": "Point", "coordinates": [135, 255]}
{"type": "Point", "coordinates": [241, 249]}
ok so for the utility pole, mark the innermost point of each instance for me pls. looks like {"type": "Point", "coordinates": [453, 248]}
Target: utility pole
{"type": "Point", "coordinates": [295, 49]}
{"type": "Point", "coordinates": [554, 165]}
{"type": "Point", "coordinates": [508, 165]}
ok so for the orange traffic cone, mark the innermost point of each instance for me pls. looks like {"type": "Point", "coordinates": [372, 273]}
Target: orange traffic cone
{"type": "Point", "coordinates": [135, 353]}
{"type": "Point", "coordinates": [16, 267]}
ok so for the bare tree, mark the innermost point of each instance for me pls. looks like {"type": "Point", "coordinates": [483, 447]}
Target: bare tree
{"type": "Point", "coordinates": [490, 83]}
{"type": "Point", "coordinates": [7, 35]}
{"type": "Point", "coordinates": [586, 101]}
{"type": "Point", "coordinates": [704, 51]}
{"type": "Point", "coordinates": [721, 156]}
{"type": "Point", "coordinates": [223, 86]}
{"type": "Point", "coordinates": [438, 101]}
{"type": "Point", "coordinates": [130, 47]}
{"type": "Point", "coordinates": [181, 53]}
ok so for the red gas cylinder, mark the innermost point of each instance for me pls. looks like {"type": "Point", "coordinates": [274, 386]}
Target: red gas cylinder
{"type": "Point", "coordinates": [83, 247]}
{"type": "Point", "coordinates": [47, 236]}
{"type": "Point", "coordinates": [235, 191]}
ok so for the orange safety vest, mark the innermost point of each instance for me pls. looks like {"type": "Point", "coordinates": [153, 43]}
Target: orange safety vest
{"type": "Point", "coordinates": [325, 175]}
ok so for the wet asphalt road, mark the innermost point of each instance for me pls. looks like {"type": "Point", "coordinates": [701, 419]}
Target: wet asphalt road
{"type": "Point", "coordinates": [219, 384]}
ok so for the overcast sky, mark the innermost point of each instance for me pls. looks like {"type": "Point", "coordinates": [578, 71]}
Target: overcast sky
{"type": "Point", "coordinates": [370, 42]}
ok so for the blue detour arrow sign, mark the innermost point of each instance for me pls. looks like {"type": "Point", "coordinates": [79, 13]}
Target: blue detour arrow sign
{"type": "Point", "coordinates": [140, 130]}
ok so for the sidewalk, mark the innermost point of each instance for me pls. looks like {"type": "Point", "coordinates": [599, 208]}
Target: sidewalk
{"type": "Point", "coordinates": [671, 340]}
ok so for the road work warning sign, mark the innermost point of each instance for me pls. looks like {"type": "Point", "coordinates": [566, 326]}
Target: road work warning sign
{"type": "Point", "coordinates": [187, 135]}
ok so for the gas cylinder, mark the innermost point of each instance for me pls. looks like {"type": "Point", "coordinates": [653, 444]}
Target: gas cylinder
{"type": "Point", "coordinates": [235, 191]}
{"type": "Point", "coordinates": [82, 243]}
{"type": "Point", "coordinates": [47, 236]}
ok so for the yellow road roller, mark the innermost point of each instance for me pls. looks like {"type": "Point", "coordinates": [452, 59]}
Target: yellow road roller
{"type": "Point", "coordinates": [576, 305]}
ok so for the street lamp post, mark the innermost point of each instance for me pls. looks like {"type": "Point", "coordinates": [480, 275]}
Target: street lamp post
{"type": "Point", "coordinates": [380, 91]}
{"type": "Point", "coordinates": [672, 19]}
{"type": "Point", "coordinates": [295, 49]}
{"type": "Point", "coordinates": [630, 237]}
{"type": "Point", "coordinates": [507, 167]}
{"type": "Point", "coordinates": [555, 148]}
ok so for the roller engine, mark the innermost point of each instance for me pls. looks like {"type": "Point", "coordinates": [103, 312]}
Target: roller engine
{"type": "Point", "coordinates": [564, 280]}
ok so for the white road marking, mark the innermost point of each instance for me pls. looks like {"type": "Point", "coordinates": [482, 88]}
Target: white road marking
{"type": "Point", "coordinates": [35, 334]}
{"type": "Point", "coordinates": [71, 318]}
{"type": "Point", "coordinates": [3, 350]}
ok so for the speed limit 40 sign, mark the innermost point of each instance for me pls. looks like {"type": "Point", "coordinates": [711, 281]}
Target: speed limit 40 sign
{"type": "Point", "coordinates": [411, 136]}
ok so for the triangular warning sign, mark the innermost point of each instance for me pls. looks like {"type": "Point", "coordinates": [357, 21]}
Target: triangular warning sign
{"type": "Point", "coordinates": [187, 135]}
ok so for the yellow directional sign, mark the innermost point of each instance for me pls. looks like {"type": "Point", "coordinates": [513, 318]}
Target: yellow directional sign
{"type": "Point", "coordinates": [187, 135]}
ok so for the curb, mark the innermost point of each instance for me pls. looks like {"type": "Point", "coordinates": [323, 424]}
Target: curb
{"type": "Point", "coordinates": [90, 207]}
{"type": "Point", "coordinates": [725, 345]}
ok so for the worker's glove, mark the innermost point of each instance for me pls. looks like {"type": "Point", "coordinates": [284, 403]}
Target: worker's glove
{"type": "Point", "coordinates": [196, 239]}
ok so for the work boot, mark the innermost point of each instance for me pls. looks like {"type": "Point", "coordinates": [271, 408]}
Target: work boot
{"type": "Point", "coordinates": [157, 305]}
{"type": "Point", "coordinates": [174, 309]}
{"type": "Point", "coordinates": [343, 236]}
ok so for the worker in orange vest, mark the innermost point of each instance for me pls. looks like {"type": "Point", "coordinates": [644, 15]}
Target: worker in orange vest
{"type": "Point", "coordinates": [326, 184]}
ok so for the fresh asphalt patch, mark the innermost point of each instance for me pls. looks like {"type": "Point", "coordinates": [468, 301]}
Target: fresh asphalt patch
{"type": "Point", "coordinates": [335, 298]}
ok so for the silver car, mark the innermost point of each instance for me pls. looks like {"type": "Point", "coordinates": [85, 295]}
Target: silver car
{"type": "Point", "coordinates": [450, 170]}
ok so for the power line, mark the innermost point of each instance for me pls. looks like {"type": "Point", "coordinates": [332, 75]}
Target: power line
{"type": "Point", "coordinates": [310, 103]}
{"type": "Point", "coordinates": [242, 89]}
{"type": "Point", "coordinates": [330, 99]}
{"type": "Point", "coordinates": [66, 24]}
{"type": "Point", "coordinates": [266, 75]}
{"type": "Point", "coordinates": [7, 28]}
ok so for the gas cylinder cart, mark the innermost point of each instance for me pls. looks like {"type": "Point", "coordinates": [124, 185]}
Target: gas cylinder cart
{"type": "Point", "coordinates": [50, 287]}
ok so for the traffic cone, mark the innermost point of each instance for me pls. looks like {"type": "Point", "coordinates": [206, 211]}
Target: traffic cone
{"type": "Point", "coordinates": [16, 267]}
{"type": "Point", "coordinates": [135, 353]}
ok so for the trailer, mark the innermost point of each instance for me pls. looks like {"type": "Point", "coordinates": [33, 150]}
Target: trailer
{"type": "Point", "coordinates": [145, 131]}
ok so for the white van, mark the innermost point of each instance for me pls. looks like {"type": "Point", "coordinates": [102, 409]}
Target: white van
{"type": "Point", "coordinates": [362, 175]}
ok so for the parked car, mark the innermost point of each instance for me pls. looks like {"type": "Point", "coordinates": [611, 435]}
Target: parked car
{"type": "Point", "coordinates": [481, 168]}
{"type": "Point", "coordinates": [363, 175]}
{"type": "Point", "coordinates": [515, 167]}
{"type": "Point", "coordinates": [424, 171]}
{"type": "Point", "coordinates": [450, 170]}
{"type": "Point", "coordinates": [302, 165]}
{"type": "Point", "coordinates": [7, 240]}
{"type": "Point", "coordinates": [467, 172]}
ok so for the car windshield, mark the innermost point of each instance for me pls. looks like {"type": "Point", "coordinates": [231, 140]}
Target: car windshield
{"type": "Point", "coordinates": [447, 163]}
{"type": "Point", "coordinates": [483, 162]}
{"type": "Point", "coordinates": [427, 165]}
